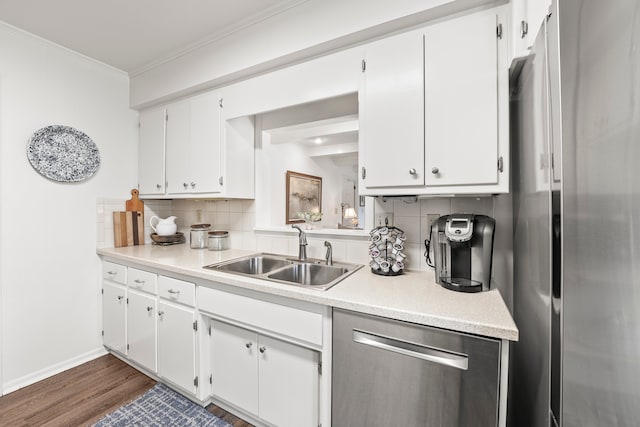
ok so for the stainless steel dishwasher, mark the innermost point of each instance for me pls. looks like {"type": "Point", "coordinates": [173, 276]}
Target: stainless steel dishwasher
{"type": "Point", "coordinates": [392, 373]}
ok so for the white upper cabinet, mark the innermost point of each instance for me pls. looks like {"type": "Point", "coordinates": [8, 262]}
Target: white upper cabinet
{"type": "Point", "coordinates": [200, 153]}
{"type": "Point", "coordinates": [461, 101]}
{"type": "Point", "coordinates": [193, 145]}
{"type": "Point", "coordinates": [151, 151]}
{"type": "Point", "coordinates": [391, 112]}
{"type": "Point", "coordinates": [434, 109]}
{"type": "Point", "coordinates": [526, 19]}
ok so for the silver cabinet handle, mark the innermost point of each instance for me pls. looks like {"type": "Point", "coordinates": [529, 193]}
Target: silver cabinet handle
{"type": "Point", "coordinates": [248, 345]}
{"type": "Point", "coordinates": [193, 185]}
{"type": "Point", "coordinates": [112, 273]}
{"type": "Point", "coordinates": [160, 313]}
{"type": "Point", "coordinates": [120, 297]}
{"type": "Point", "coordinates": [263, 349]}
{"type": "Point", "coordinates": [435, 171]}
{"type": "Point", "coordinates": [185, 185]}
{"type": "Point", "coordinates": [220, 180]}
{"type": "Point", "coordinates": [158, 186]}
{"type": "Point", "coordinates": [138, 281]}
{"type": "Point", "coordinates": [412, 171]}
{"type": "Point", "coordinates": [431, 354]}
{"type": "Point", "coordinates": [524, 29]}
{"type": "Point", "coordinates": [149, 308]}
{"type": "Point", "coordinates": [171, 291]}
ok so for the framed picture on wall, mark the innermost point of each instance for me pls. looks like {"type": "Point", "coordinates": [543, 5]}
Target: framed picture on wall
{"type": "Point", "coordinates": [304, 196]}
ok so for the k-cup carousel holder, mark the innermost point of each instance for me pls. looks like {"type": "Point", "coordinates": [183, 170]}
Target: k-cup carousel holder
{"type": "Point", "coordinates": [385, 251]}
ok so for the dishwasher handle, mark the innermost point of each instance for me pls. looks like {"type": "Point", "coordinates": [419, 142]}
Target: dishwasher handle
{"type": "Point", "coordinates": [431, 354]}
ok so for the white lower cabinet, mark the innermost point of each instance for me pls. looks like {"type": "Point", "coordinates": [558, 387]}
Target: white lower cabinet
{"type": "Point", "coordinates": [288, 383]}
{"type": "Point", "coordinates": [177, 345]}
{"type": "Point", "coordinates": [275, 380]}
{"type": "Point", "coordinates": [141, 329]}
{"type": "Point", "coordinates": [234, 365]}
{"type": "Point", "coordinates": [114, 332]}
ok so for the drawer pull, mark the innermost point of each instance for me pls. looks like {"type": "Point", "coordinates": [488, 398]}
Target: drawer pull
{"type": "Point", "coordinates": [120, 297]}
{"type": "Point", "coordinates": [138, 281]}
{"type": "Point", "coordinates": [149, 308]}
{"type": "Point", "coordinates": [263, 349]}
{"type": "Point", "coordinates": [248, 345]}
{"type": "Point", "coordinates": [112, 273]}
{"type": "Point", "coordinates": [431, 354]}
{"type": "Point", "coordinates": [171, 291]}
{"type": "Point", "coordinates": [160, 313]}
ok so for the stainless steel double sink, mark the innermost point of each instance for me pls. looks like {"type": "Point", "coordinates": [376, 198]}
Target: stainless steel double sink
{"type": "Point", "coordinates": [311, 273]}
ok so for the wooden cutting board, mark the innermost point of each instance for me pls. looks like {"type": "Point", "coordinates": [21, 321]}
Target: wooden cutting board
{"type": "Point", "coordinates": [128, 228]}
{"type": "Point", "coordinates": [134, 204]}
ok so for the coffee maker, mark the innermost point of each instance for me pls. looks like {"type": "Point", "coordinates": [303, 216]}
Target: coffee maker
{"type": "Point", "coordinates": [463, 251]}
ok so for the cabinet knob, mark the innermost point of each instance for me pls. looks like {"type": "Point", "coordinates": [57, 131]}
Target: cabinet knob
{"type": "Point", "coordinates": [412, 171]}
{"type": "Point", "coordinates": [149, 308]}
{"type": "Point", "coordinates": [160, 313]}
{"type": "Point", "coordinates": [193, 185]}
{"type": "Point", "coordinates": [263, 349]}
{"type": "Point", "coordinates": [158, 186]}
{"type": "Point", "coordinates": [185, 185]}
{"type": "Point", "coordinates": [435, 171]}
{"type": "Point", "coordinates": [248, 345]}
{"type": "Point", "coordinates": [120, 297]}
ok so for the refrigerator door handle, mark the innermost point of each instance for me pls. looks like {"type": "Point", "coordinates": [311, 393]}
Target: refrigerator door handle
{"type": "Point", "coordinates": [431, 354]}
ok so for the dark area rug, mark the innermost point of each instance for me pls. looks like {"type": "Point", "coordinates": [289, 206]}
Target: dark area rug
{"type": "Point", "coordinates": [161, 406]}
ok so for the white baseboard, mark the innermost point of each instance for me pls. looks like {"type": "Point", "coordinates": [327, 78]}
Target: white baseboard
{"type": "Point", "coordinates": [51, 370]}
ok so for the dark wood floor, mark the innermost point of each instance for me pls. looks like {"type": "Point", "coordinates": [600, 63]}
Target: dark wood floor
{"type": "Point", "coordinates": [82, 395]}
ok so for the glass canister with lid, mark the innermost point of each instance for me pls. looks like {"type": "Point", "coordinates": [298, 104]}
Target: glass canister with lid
{"type": "Point", "coordinates": [198, 235]}
{"type": "Point", "coordinates": [218, 240]}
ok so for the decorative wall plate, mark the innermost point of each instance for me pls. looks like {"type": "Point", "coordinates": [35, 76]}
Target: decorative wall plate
{"type": "Point", "coordinates": [64, 154]}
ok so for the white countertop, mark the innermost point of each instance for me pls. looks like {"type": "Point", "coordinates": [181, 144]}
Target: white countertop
{"type": "Point", "coordinates": [413, 296]}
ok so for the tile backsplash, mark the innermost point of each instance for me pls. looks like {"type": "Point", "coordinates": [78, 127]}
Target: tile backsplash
{"type": "Point", "coordinates": [411, 215]}
{"type": "Point", "coordinates": [104, 218]}
{"type": "Point", "coordinates": [238, 217]}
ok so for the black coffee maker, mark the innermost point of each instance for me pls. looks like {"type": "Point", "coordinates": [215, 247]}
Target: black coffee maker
{"type": "Point", "coordinates": [464, 251]}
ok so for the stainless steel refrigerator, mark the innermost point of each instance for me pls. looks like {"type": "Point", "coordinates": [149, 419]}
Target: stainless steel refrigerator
{"type": "Point", "coordinates": [576, 205]}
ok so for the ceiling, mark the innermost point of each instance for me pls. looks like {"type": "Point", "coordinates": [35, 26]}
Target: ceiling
{"type": "Point", "coordinates": [132, 35]}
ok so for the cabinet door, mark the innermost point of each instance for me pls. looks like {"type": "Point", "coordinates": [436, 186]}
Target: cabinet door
{"type": "Point", "coordinates": [179, 175]}
{"type": "Point", "coordinates": [114, 317]}
{"type": "Point", "coordinates": [206, 143]}
{"type": "Point", "coordinates": [176, 345]}
{"type": "Point", "coordinates": [527, 17]}
{"type": "Point", "coordinates": [151, 151]}
{"type": "Point", "coordinates": [391, 100]}
{"type": "Point", "coordinates": [141, 329]}
{"type": "Point", "coordinates": [234, 365]}
{"type": "Point", "coordinates": [461, 101]}
{"type": "Point", "coordinates": [288, 383]}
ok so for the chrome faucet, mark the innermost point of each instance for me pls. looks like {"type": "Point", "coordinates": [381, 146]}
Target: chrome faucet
{"type": "Point", "coordinates": [329, 256]}
{"type": "Point", "coordinates": [302, 239]}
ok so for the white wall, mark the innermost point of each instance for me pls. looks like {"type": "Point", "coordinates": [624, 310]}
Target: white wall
{"type": "Point", "coordinates": [50, 299]}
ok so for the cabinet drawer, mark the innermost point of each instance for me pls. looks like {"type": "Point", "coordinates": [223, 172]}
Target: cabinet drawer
{"type": "Point", "coordinates": [114, 272]}
{"type": "Point", "coordinates": [142, 280]}
{"type": "Point", "coordinates": [281, 319]}
{"type": "Point", "coordinates": [177, 290]}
